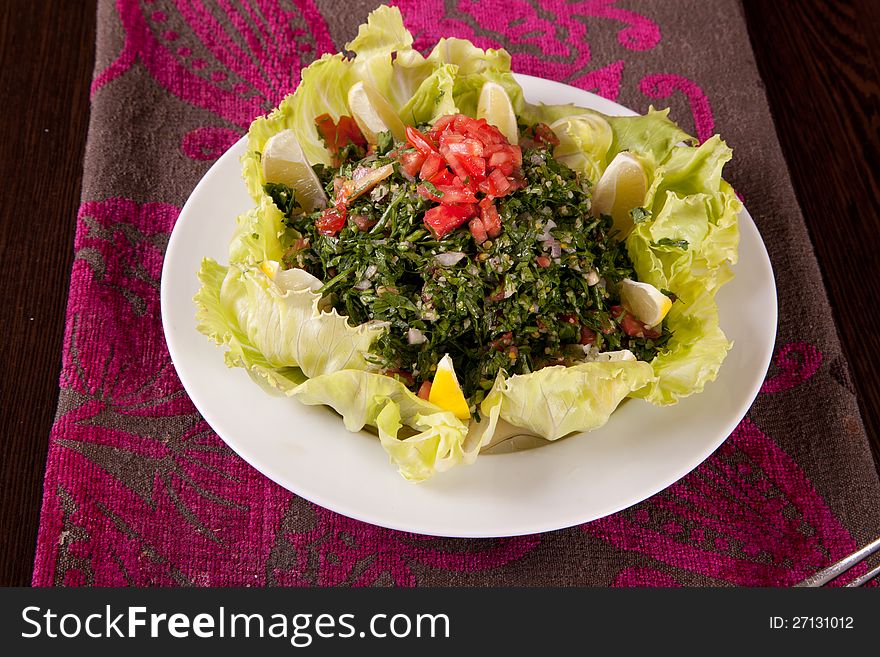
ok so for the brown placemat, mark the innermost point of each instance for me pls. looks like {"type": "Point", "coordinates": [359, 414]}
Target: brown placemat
{"type": "Point", "coordinates": [138, 490]}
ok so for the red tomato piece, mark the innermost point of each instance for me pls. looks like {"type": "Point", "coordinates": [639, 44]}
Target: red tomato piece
{"type": "Point", "coordinates": [465, 156]}
{"type": "Point", "coordinates": [449, 194]}
{"type": "Point", "coordinates": [442, 177]}
{"type": "Point", "coordinates": [454, 163]}
{"type": "Point", "coordinates": [456, 194]}
{"type": "Point", "coordinates": [490, 218]}
{"type": "Point", "coordinates": [363, 222]}
{"type": "Point", "coordinates": [543, 133]}
{"type": "Point", "coordinates": [467, 147]}
{"type": "Point", "coordinates": [411, 162]}
{"type": "Point", "coordinates": [502, 342]}
{"type": "Point", "coordinates": [450, 136]}
{"type": "Point", "coordinates": [348, 132]}
{"type": "Point", "coordinates": [331, 221]}
{"type": "Point", "coordinates": [442, 219]}
{"type": "Point", "coordinates": [442, 124]}
{"type": "Point", "coordinates": [633, 327]}
{"type": "Point", "coordinates": [425, 390]}
{"type": "Point", "coordinates": [496, 184]}
{"type": "Point", "coordinates": [588, 335]}
{"type": "Point", "coordinates": [431, 166]}
{"type": "Point", "coordinates": [419, 141]}
{"type": "Point", "coordinates": [478, 230]}
{"type": "Point", "coordinates": [507, 159]}
{"type": "Point", "coordinates": [338, 135]}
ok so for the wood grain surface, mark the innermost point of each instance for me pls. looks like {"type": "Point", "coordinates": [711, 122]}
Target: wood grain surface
{"type": "Point", "coordinates": [819, 61]}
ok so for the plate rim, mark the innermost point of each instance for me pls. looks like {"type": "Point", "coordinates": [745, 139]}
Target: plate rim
{"type": "Point", "coordinates": [687, 465]}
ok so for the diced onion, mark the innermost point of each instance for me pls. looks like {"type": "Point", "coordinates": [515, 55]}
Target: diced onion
{"type": "Point", "coordinates": [449, 258]}
{"type": "Point", "coordinates": [415, 336]}
{"type": "Point", "coordinates": [545, 235]}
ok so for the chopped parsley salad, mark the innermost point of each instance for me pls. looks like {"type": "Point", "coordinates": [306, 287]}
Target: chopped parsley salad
{"type": "Point", "coordinates": [469, 246]}
{"type": "Point", "coordinates": [430, 254]}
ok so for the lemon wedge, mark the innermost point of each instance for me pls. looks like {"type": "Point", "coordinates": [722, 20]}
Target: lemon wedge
{"type": "Point", "coordinates": [494, 105]}
{"type": "Point", "coordinates": [284, 162]}
{"type": "Point", "coordinates": [621, 188]}
{"type": "Point", "coordinates": [646, 303]}
{"type": "Point", "coordinates": [373, 113]}
{"type": "Point", "coordinates": [584, 140]}
{"type": "Point", "coordinates": [445, 391]}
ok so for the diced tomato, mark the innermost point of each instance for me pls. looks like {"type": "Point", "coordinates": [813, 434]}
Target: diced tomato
{"type": "Point", "coordinates": [652, 332]}
{"type": "Point", "coordinates": [506, 160]}
{"type": "Point", "coordinates": [441, 124]}
{"type": "Point", "coordinates": [466, 147]}
{"type": "Point", "coordinates": [449, 194]}
{"type": "Point", "coordinates": [363, 222]}
{"type": "Point", "coordinates": [502, 342]}
{"type": "Point", "coordinates": [456, 194]}
{"type": "Point", "coordinates": [338, 135]}
{"type": "Point", "coordinates": [496, 184]}
{"type": "Point", "coordinates": [431, 166]}
{"type": "Point", "coordinates": [442, 177]}
{"type": "Point", "coordinates": [488, 134]}
{"type": "Point", "coordinates": [330, 222]}
{"type": "Point", "coordinates": [442, 219]}
{"type": "Point", "coordinates": [588, 335]}
{"type": "Point", "coordinates": [327, 127]}
{"type": "Point", "coordinates": [419, 141]}
{"type": "Point", "coordinates": [633, 327]}
{"type": "Point", "coordinates": [463, 157]}
{"type": "Point", "coordinates": [454, 163]}
{"type": "Point", "coordinates": [490, 218]}
{"type": "Point", "coordinates": [411, 162]}
{"type": "Point", "coordinates": [425, 390]}
{"type": "Point", "coordinates": [543, 133]}
{"type": "Point", "coordinates": [543, 261]}
{"type": "Point", "coordinates": [478, 230]}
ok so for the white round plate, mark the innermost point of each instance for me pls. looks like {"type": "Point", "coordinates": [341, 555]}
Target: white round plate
{"type": "Point", "coordinates": [640, 451]}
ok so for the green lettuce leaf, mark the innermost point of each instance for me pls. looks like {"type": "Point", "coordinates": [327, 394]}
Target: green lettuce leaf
{"type": "Point", "coordinates": [689, 202]}
{"type": "Point", "coordinates": [258, 235]}
{"type": "Point", "coordinates": [652, 136]}
{"type": "Point", "coordinates": [420, 437]}
{"type": "Point", "coordinates": [275, 323]}
{"type": "Point", "coordinates": [555, 401]}
{"type": "Point", "coordinates": [475, 67]}
{"type": "Point", "coordinates": [433, 98]}
{"type": "Point", "coordinates": [696, 350]}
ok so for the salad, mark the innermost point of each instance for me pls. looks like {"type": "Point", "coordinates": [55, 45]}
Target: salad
{"type": "Point", "coordinates": [432, 256]}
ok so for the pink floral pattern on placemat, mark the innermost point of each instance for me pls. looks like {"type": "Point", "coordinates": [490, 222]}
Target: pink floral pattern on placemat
{"type": "Point", "coordinates": [139, 490]}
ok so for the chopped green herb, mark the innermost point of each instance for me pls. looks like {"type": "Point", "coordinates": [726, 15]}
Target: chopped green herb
{"type": "Point", "coordinates": [283, 197]}
{"type": "Point", "coordinates": [433, 189]}
{"type": "Point", "coordinates": [385, 142]}
{"type": "Point", "coordinates": [639, 215]}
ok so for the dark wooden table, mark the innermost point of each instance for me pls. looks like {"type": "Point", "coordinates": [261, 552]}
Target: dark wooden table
{"type": "Point", "coordinates": [820, 62]}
